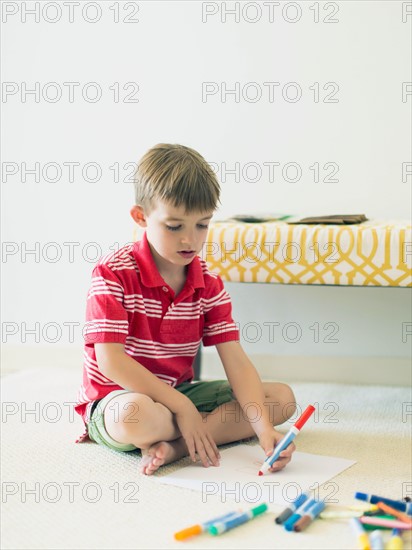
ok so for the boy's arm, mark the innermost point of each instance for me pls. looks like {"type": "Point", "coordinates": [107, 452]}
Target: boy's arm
{"type": "Point", "coordinates": [128, 373]}
{"type": "Point", "coordinates": [131, 375]}
{"type": "Point", "coordinates": [247, 387]}
{"type": "Point", "coordinates": [246, 384]}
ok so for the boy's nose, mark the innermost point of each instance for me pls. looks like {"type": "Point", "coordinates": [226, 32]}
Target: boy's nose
{"type": "Point", "coordinates": [187, 239]}
{"type": "Point", "coordinates": [187, 242]}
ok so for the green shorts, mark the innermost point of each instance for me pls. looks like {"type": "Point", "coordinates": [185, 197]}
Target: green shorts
{"type": "Point", "coordinates": [205, 395]}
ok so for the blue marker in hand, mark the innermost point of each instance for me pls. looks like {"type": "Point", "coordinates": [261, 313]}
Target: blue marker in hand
{"type": "Point", "coordinates": [285, 441]}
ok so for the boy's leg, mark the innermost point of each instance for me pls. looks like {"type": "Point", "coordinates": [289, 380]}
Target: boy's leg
{"type": "Point", "coordinates": [136, 418]}
{"type": "Point", "coordinates": [228, 422]}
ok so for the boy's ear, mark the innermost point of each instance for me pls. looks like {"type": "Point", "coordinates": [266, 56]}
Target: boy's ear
{"type": "Point", "coordinates": [138, 215]}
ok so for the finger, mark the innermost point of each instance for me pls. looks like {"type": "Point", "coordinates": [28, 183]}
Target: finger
{"type": "Point", "coordinates": [191, 448]}
{"type": "Point", "coordinates": [287, 452]}
{"type": "Point", "coordinates": [201, 452]}
{"type": "Point", "coordinates": [279, 464]}
{"type": "Point", "coordinates": [214, 446]}
{"type": "Point", "coordinates": [211, 451]}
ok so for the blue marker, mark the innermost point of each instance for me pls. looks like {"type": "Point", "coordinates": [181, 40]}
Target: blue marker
{"type": "Point", "coordinates": [293, 506]}
{"type": "Point", "coordinates": [222, 526]}
{"type": "Point", "coordinates": [309, 516]}
{"type": "Point", "coordinates": [306, 506]}
{"type": "Point", "coordinates": [397, 504]}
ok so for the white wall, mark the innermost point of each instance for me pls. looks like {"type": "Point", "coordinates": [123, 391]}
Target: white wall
{"type": "Point", "coordinates": [170, 53]}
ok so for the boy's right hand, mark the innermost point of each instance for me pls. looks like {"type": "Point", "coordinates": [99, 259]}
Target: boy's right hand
{"type": "Point", "coordinates": [196, 435]}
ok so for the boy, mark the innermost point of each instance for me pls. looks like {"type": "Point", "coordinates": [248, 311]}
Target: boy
{"type": "Point", "coordinates": [149, 306]}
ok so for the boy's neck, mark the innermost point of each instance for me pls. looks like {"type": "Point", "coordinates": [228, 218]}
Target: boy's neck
{"type": "Point", "coordinates": [174, 276]}
{"type": "Point", "coordinates": [168, 271]}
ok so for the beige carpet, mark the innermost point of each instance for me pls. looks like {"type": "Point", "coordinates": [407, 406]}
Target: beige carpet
{"type": "Point", "coordinates": [101, 501]}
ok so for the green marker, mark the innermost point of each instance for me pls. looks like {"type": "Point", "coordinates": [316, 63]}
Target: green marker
{"type": "Point", "coordinates": [222, 526]}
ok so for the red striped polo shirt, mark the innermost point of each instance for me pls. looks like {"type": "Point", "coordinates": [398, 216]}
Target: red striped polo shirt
{"type": "Point", "coordinates": [130, 303]}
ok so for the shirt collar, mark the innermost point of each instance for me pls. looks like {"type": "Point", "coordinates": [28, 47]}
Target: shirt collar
{"type": "Point", "coordinates": [150, 275]}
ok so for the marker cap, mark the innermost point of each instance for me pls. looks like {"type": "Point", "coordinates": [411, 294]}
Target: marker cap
{"type": "Point", "coordinates": [304, 417]}
{"type": "Point", "coordinates": [189, 532]}
{"type": "Point", "coordinates": [259, 509]}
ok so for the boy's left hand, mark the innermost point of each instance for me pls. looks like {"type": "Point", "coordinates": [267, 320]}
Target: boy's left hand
{"type": "Point", "coordinates": [268, 440]}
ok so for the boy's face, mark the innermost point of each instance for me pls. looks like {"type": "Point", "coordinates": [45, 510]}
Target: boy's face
{"type": "Point", "coordinates": [175, 236]}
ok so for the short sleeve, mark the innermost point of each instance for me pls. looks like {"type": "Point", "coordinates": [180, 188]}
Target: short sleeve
{"type": "Point", "coordinates": [217, 307]}
{"type": "Point", "coordinates": [106, 316]}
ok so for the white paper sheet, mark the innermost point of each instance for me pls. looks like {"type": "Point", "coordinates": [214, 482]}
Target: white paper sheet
{"type": "Point", "coordinates": [236, 479]}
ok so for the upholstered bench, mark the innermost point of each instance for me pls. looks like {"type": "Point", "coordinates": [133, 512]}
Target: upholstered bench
{"type": "Point", "coordinates": [372, 253]}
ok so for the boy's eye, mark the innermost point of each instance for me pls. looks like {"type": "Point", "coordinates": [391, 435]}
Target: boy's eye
{"type": "Point", "coordinates": [177, 227]}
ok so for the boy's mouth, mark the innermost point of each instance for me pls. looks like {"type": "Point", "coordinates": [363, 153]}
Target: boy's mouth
{"type": "Point", "coordinates": [187, 253]}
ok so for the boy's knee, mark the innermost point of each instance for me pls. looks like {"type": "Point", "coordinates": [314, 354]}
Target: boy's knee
{"type": "Point", "coordinates": [131, 412]}
{"type": "Point", "coordinates": [283, 396]}
{"type": "Point", "coordinates": [288, 400]}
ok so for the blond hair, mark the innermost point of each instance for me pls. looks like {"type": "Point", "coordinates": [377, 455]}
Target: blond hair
{"type": "Point", "coordinates": [178, 175]}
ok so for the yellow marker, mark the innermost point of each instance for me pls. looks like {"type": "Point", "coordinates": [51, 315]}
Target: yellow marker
{"type": "Point", "coordinates": [339, 514]}
{"type": "Point", "coordinates": [360, 508]}
{"type": "Point", "coordinates": [395, 542]}
{"type": "Point", "coordinates": [363, 539]}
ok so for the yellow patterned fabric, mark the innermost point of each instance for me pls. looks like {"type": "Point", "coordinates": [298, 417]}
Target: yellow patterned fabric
{"type": "Point", "coordinates": [373, 253]}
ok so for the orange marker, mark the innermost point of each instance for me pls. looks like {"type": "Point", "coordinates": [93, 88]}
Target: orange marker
{"type": "Point", "coordinates": [201, 527]}
{"type": "Point", "coordinates": [393, 512]}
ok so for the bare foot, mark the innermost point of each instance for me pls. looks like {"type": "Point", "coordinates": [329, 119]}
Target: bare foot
{"type": "Point", "coordinates": [162, 453]}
